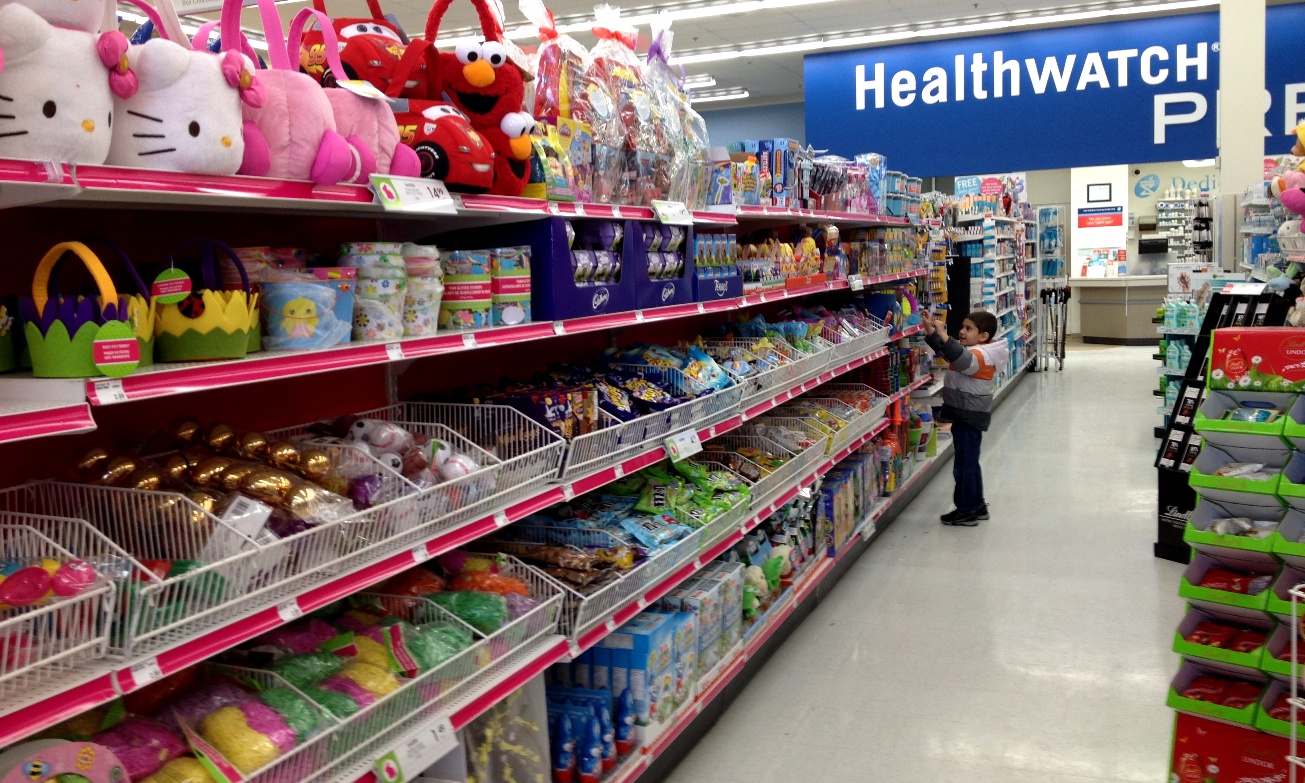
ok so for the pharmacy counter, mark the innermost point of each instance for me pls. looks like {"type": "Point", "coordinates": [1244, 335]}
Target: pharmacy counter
{"type": "Point", "coordinates": [1118, 310]}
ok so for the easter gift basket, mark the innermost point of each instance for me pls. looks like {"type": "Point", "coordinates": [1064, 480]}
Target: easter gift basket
{"type": "Point", "coordinates": [210, 323]}
{"type": "Point", "coordinates": [80, 336]}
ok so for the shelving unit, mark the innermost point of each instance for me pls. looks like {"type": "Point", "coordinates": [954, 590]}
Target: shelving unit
{"type": "Point", "coordinates": [359, 376]}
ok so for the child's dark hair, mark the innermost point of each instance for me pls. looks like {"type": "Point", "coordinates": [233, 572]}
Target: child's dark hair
{"type": "Point", "coordinates": [984, 321]}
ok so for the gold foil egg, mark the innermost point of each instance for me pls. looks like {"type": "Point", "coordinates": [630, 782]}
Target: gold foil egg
{"type": "Point", "coordinates": [220, 437]}
{"type": "Point", "coordinates": [315, 464]}
{"type": "Point", "coordinates": [146, 479]}
{"type": "Point", "coordinates": [283, 454]}
{"type": "Point", "coordinates": [208, 472]}
{"type": "Point", "coordinates": [185, 432]}
{"type": "Point", "coordinates": [302, 500]}
{"type": "Point", "coordinates": [252, 445]}
{"type": "Point", "coordinates": [118, 469]}
{"type": "Point", "coordinates": [178, 467]}
{"type": "Point", "coordinates": [267, 485]}
{"type": "Point", "coordinates": [234, 475]}
{"type": "Point", "coordinates": [92, 461]}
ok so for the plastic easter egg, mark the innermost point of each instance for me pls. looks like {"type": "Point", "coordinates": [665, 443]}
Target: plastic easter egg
{"type": "Point", "coordinates": [72, 578]}
{"type": "Point", "coordinates": [440, 451]}
{"type": "Point", "coordinates": [26, 586]}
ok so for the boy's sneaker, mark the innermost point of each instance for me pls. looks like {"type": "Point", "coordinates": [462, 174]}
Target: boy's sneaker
{"type": "Point", "coordinates": [963, 519]}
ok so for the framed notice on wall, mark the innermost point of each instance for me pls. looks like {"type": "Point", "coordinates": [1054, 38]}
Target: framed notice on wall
{"type": "Point", "coordinates": [1099, 194]}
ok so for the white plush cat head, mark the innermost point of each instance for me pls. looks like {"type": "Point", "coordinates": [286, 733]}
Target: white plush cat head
{"type": "Point", "coordinates": [89, 16]}
{"type": "Point", "coordinates": [55, 98]}
{"type": "Point", "coordinates": [186, 114]}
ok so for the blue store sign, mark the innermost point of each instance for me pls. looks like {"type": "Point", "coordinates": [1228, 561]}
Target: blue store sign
{"type": "Point", "coordinates": [1123, 92]}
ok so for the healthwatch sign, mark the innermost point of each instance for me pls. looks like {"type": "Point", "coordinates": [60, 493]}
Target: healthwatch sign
{"type": "Point", "coordinates": [1124, 92]}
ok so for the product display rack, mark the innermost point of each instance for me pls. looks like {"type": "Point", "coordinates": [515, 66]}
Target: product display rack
{"type": "Point", "coordinates": [1175, 218]}
{"type": "Point", "coordinates": [1052, 312]}
{"type": "Point", "coordinates": [1180, 443]}
{"type": "Point", "coordinates": [55, 406]}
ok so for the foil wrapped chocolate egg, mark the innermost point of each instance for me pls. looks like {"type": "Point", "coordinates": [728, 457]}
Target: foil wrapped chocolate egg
{"type": "Point", "coordinates": [92, 461]}
{"type": "Point", "coordinates": [208, 471]}
{"type": "Point", "coordinates": [236, 473]}
{"type": "Point", "coordinates": [145, 478]}
{"type": "Point", "coordinates": [268, 485]}
{"type": "Point", "coordinates": [117, 469]}
{"type": "Point", "coordinates": [177, 467]}
{"type": "Point", "coordinates": [315, 464]}
{"type": "Point", "coordinates": [302, 500]}
{"type": "Point", "coordinates": [251, 445]}
{"type": "Point", "coordinates": [185, 432]}
{"type": "Point", "coordinates": [283, 454]}
{"type": "Point", "coordinates": [220, 437]}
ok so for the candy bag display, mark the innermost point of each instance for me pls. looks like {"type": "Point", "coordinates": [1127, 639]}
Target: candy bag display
{"type": "Point", "coordinates": [614, 63]}
{"type": "Point", "coordinates": [559, 66]}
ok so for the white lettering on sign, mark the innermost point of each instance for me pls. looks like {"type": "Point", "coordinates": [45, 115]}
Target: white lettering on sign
{"type": "Point", "coordinates": [1163, 119]}
{"type": "Point", "coordinates": [982, 75]}
{"type": "Point", "coordinates": [1294, 106]}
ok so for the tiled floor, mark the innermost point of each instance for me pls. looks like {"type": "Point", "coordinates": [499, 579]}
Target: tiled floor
{"type": "Point", "coordinates": [1035, 647]}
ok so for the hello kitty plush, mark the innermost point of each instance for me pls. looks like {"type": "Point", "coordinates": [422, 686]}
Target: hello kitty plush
{"type": "Point", "coordinates": [186, 115]}
{"type": "Point", "coordinates": [55, 100]}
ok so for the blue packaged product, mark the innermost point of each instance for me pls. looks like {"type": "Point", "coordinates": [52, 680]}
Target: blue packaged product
{"type": "Point", "coordinates": [626, 740]}
{"type": "Point", "coordinates": [655, 531]}
{"type": "Point", "coordinates": [564, 760]}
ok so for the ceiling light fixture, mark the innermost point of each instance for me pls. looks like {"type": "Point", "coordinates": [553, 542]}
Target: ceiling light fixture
{"type": "Point", "coordinates": [256, 42]}
{"type": "Point", "coordinates": [949, 29]}
{"type": "Point", "coordinates": [641, 17]}
{"type": "Point", "coordinates": [700, 82]}
{"type": "Point", "coordinates": [735, 94]}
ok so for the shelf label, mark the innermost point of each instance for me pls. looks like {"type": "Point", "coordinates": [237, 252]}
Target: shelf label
{"type": "Point", "coordinates": [674, 213]}
{"type": "Point", "coordinates": [289, 610]}
{"type": "Point", "coordinates": [468, 340]}
{"type": "Point", "coordinates": [1244, 289]}
{"type": "Point", "coordinates": [856, 283]}
{"type": "Point", "coordinates": [553, 208]}
{"type": "Point", "coordinates": [702, 308]}
{"type": "Point", "coordinates": [619, 471]}
{"type": "Point", "coordinates": [411, 194]}
{"type": "Point", "coordinates": [501, 519]}
{"type": "Point", "coordinates": [414, 756]}
{"type": "Point", "coordinates": [559, 328]}
{"type": "Point", "coordinates": [683, 445]}
{"type": "Point", "coordinates": [146, 672]}
{"type": "Point", "coordinates": [110, 392]}
{"type": "Point", "coordinates": [580, 209]}
{"type": "Point", "coordinates": [420, 553]}
{"type": "Point", "coordinates": [394, 351]}
{"type": "Point", "coordinates": [616, 213]}
{"type": "Point", "coordinates": [568, 492]}
{"type": "Point", "coordinates": [638, 316]}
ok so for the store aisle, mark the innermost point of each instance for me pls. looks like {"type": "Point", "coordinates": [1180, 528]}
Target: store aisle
{"type": "Point", "coordinates": [1035, 647]}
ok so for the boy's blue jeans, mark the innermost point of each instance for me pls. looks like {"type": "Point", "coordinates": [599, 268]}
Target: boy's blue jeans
{"type": "Point", "coordinates": [968, 495]}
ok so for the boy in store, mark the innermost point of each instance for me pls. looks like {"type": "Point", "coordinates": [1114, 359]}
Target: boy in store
{"type": "Point", "coordinates": [973, 359]}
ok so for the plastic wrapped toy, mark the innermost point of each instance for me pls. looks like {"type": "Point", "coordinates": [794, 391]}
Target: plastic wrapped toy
{"type": "Point", "coordinates": [559, 66]}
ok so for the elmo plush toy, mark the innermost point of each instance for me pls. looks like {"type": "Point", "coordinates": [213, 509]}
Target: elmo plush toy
{"type": "Point", "coordinates": [482, 80]}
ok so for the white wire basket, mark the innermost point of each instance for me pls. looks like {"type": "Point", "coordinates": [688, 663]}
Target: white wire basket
{"type": "Point", "coordinates": [795, 431]}
{"type": "Point", "coordinates": [42, 644]}
{"type": "Point", "coordinates": [853, 336]}
{"type": "Point", "coordinates": [362, 738]}
{"type": "Point", "coordinates": [869, 403]}
{"type": "Point", "coordinates": [616, 441]}
{"type": "Point", "coordinates": [760, 385]}
{"type": "Point", "coordinates": [778, 481]}
{"type": "Point", "coordinates": [228, 572]}
{"type": "Point", "coordinates": [836, 415]}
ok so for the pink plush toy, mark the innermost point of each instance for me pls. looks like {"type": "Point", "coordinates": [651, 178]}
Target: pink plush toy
{"type": "Point", "coordinates": [367, 123]}
{"type": "Point", "coordinates": [57, 104]}
{"type": "Point", "coordinates": [1290, 187]}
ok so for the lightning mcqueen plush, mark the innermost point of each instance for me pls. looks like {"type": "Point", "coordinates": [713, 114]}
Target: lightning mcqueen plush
{"type": "Point", "coordinates": [450, 150]}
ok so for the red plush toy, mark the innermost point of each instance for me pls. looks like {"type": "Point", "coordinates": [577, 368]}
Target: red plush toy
{"type": "Point", "coordinates": [448, 147]}
{"type": "Point", "coordinates": [482, 80]}
{"type": "Point", "coordinates": [373, 51]}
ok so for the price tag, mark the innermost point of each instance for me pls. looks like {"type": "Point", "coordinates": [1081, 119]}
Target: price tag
{"type": "Point", "coordinates": [361, 88]}
{"type": "Point", "coordinates": [674, 213]}
{"type": "Point", "coordinates": [501, 519]}
{"type": "Point", "coordinates": [856, 283]}
{"type": "Point", "coordinates": [394, 351]}
{"type": "Point", "coordinates": [1244, 289]}
{"type": "Point", "coordinates": [745, 302]}
{"type": "Point", "coordinates": [417, 753]}
{"type": "Point", "coordinates": [711, 431]}
{"type": "Point", "coordinates": [420, 553]}
{"type": "Point", "coordinates": [110, 392]}
{"type": "Point", "coordinates": [762, 297]}
{"type": "Point", "coordinates": [289, 610]}
{"type": "Point", "coordinates": [702, 308]}
{"type": "Point", "coordinates": [559, 328]}
{"type": "Point", "coordinates": [580, 209]}
{"type": "Point", "coordinates": [468, 340]}
{"type": "Point", "coordinates": [411, 194]}
{"type": "Point", "coordinates": [146, 672]}
{"type": "Point", "coordinates": [683, 445]}
{"type": "Point", "coordinates": [610, 625]}
{"type": "Point", "coordinates": [638, 316]}
{"type": "Point", "coordinates": [619, 471]}
{"type": "Point", "coordinates": [616, 213]}
{"type": "Point", "coordinates": [568, 492]}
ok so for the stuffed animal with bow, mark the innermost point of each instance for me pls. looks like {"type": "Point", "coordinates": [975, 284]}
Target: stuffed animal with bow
{"type": "Point", "coordinates": [1290, 187]}
{"type": "Point", "coordinates": [483, 80]}
{"type": "Point", "coordinates": [57, 87]}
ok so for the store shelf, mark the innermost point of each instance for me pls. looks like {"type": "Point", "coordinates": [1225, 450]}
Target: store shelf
{"type": "Point", "coordinates": [27, 420]}
{"type": "Point", "coordinates": [1172, 372]}
{"type": "Point", "coordinates": [92, 686]}
{"type": "Point", "coordinates": [932, 390]}
{"type": "Point", "coordinates": [1167, 330]}
{"type": "Point", "coordinates": [1004, 291]}
{"type": "Point", "coordinates": [163, 380]}
{"type": "Point", "coordinates": [986, 216]}
{"type": "Point", "coordinates": [712, 685]}
{"type": "Point", "coordinates": [779, 215]}
{"type": "Point", "coordinates": [1002, 257]}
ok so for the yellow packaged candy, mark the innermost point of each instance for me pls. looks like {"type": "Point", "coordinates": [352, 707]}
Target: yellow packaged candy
{"type": "Point", "coordinates": [227, 730]}
{"type": "Point", "coordinates": [375, 680]}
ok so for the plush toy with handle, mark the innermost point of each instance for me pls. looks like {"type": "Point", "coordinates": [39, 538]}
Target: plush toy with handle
{"type": "Point", "coordinates": [55, 102]}
{"type": "Point", "coordinates": [489, 86]}
{"type": "Point", "coordinates": [368, 124]}
{"type": "Point", "coordinates": [371, 49]}
{"type": "Point", "coordinates": [186, 116]}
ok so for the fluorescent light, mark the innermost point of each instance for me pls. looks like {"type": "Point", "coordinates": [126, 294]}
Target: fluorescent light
{"type": "Point", "coordinates": [945, 29]}
{"type": "Point", "coordinates": [257, 43]}
{"type": "Point", "coordinates": [691, 11]}
{"type": "Point", "coordinates": [699, 82]}
{"type": "Point", "coordinates": [736, 94]}
{"type": "Point", "coordinates": [1200, 164]}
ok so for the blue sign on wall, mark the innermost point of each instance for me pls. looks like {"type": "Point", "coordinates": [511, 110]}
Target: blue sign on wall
{"type": "Point", "coordinates": [1124, 92]}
